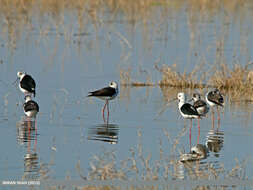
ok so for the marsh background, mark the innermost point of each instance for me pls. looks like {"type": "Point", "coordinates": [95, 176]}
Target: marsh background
{"type": "Point", "coordinates": [73, 47]}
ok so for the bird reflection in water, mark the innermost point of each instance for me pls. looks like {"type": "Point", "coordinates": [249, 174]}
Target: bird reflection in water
{"type": "Point", "coordinates": [193, 165]}
{"type": "Point", "coordinates": [215, 141]}
{"type": "Point", "coordinates": [104, 132]}
{"type": "Point", "coordinates": [27, 136]}
{"type": "Point", "coordinates": [198, 152]}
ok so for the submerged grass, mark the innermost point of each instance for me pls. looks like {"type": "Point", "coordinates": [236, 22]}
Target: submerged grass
{"type": "Point", "coordinates": [127, 80]}
{"type": "Point", "coordinates": [140, 166]}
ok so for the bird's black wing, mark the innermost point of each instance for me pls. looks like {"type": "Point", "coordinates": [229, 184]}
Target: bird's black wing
{"type": "Point", "coordinates": [199, 103]}
{"type": "Point", "coordinates": [189, 109]}
{"type": "Point", "coordinates": [28, 83]}
{"type": "Point", "coordinates": [108, 91]}
{"type": "Point", "coordinates": [31, 105]}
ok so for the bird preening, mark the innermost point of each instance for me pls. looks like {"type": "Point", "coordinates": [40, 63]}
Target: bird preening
{"type": "Point", "coordinates": [31, 108]}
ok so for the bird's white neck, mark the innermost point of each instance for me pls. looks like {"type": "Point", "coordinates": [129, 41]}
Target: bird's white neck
{"type": "Point", "coordinates": [21, 77]}
{"type": "Point", "coordinates": [181, 103]}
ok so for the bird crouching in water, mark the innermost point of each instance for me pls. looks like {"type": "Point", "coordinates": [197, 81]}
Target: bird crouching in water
{"type": "Point", "coordinates": [107, 93]}
{"type": "Point", "coordinates": [31, 108]}
{"type": "Point", "coordinates": [27, 84]}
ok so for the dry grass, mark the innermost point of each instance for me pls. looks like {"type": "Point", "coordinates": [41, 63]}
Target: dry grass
{"type": "Point", "coordinates": [239, 78]}
{"type": "Point", "coordinates": [126, 79]}
{"type": "Point", "coordinates": [236, 81]}
{"type": "Point", "coordinates": [172, 78]}
{"type": "Point", "coordinates": [141, 166]}
{"type": "Point", "coordinates": [20, 16]}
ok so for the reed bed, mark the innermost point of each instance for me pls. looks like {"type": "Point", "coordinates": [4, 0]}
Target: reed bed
{"type": "Point", "coordinates": [236, 81]}
{"type": "Point", "coordinates": [239, 78]}
{"type": "Point", "coordinates": [172, 78]}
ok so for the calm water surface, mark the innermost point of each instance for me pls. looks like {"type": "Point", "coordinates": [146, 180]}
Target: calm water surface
{"type": "Point", "coordinates": [67, 62]}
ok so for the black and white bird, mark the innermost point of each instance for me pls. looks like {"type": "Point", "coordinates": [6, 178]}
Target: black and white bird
{"type": "Point", "coordinates": [107, 93]}
{"type": "Point", "coordinates": [200, 105]}
{"type": "Point", "coordinates": [31, 108]}
{"type": "Point", "coordinates": [26, 83]}
{"type": "Point", "coordinates": [187, 110]}
{"type": "Point", "coordinates": [215, 99]}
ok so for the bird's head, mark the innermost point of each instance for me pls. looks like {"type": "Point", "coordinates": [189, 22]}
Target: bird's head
{"type": "Point", "coordinates": [113, 85]}
{"type": "Point", "coordinates": [181, 97]}
{"type": "Point", "coordinates": [20, 74]}
{"type": "Point", "coordinates": [196, 97]}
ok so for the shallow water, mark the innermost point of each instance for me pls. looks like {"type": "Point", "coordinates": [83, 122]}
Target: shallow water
{"type": "Point", "coordinates": [70, 127]}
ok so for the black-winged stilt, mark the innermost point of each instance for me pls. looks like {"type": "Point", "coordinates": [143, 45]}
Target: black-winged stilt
{"type": "Point", "coordinates": [107, 93]}
{"type": "Point", "coordinates": [200, 105]}
{"type": "Point", "coordinates": [26, 83]}
{"type": "Point", "coordinates": [187, 110]}
{"type": "Point", "coordinates": [31, 108]}
{"type": "Point", "coordinates": [215, 99]}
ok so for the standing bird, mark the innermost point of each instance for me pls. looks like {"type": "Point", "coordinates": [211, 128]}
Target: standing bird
{"type": "Point", "coordinates": [215, 99]}
{"type": "Point", "coordinates": [31, 108]}
{"type": "Point", "coordinates": [201, 107]}
{"type": "Point", "coordinates": [107, 93]}
{"type": "Point", "coordinates": [187, 110]}
{"type": "Point", "coordinates": [26, 83]}
{"type": "Point", "coordinates": [200, 104]}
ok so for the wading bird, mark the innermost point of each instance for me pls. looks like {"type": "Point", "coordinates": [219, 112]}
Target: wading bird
{"type": "Point", "coordinates": [187, 110]}
{"type": "Point", "coordinates": [31, 108]}
{"type": "Point", "coordinates": [201, 107]}
{"type": "Point", "coordinates": [215, 99]}
{"type": "Point", "coordinates": [26, 83]}
{"type": "Point", "coordinates": [107, 93]}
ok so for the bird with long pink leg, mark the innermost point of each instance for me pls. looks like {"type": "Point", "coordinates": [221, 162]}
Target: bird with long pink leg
{"type": "Point", "coordinates": [215, 99]}
{"type": "Point", "coordinates": [107, 93]}
{"type": "Point", "coordinates": [187, 110]}
{"type": "Point", "coordinates": [201, 107]}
